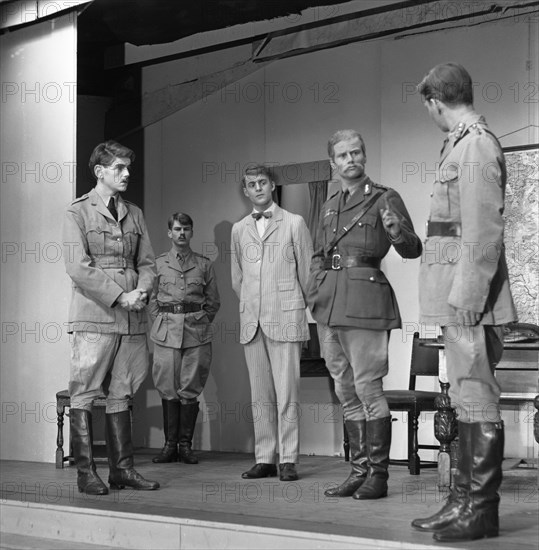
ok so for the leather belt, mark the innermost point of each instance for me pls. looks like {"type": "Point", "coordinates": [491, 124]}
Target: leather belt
{"type": "Point", "coordinates": [443, 229]}
{"type": "Point", "coordinates": [337, 262]}
{"type": "Point", "coordinates": [180, 308]}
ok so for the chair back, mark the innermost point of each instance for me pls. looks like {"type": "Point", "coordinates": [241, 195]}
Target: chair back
{"type": "Point", "coordinates": [425, 360]}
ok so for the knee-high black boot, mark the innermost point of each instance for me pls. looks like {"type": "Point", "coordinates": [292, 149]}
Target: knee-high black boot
{"type": "Point", "coordinates": [171, 419]}
{"type": "Point", "coordinates": [80, 421]}
{"type": "Point", "coordinates": [188, 419]}
{"type": "Point", "coordinates": [378, 444]}
{"type": "Point", "coordinates": [358, 460]}
{"type": "Point", "coordinates": [478, 518]}
{"type": "Point", "coordinates": [120, 454]}
{"type": "Point", "coordinates": [458, 494]}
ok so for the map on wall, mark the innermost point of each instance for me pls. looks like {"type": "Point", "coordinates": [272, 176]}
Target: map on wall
{"type": "Point", "coordinates": [522, 230]}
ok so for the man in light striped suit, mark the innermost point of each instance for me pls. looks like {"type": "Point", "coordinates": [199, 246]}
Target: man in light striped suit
{"type": "Point", "coordinates": [272, 250]}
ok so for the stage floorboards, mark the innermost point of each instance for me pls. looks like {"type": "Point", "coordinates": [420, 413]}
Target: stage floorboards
{"type": "Point", "coordinates": [213, 491]}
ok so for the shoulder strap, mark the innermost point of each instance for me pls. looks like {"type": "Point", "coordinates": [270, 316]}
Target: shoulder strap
{"type": "Point", "coordinates": [342, 232]}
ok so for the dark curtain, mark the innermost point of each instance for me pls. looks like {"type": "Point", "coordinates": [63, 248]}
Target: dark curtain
{"type": "Point", "coordinates": [318, 191]}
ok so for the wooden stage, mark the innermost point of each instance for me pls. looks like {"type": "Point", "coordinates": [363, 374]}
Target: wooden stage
{"type": "Point", "coordinates": [209, 506]}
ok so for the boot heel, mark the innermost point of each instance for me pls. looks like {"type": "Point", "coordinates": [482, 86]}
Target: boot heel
{"type": "Point", "coordinates": [114, 485]}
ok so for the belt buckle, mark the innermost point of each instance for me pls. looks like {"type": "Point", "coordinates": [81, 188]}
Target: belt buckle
{"type": "Point", "coordinates": [336, 262]}
{"type": "Point", "coordinates": [178, 308]}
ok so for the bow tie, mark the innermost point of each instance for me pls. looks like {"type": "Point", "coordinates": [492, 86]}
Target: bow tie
{"type": "Point", "coordinates": [258, 215]}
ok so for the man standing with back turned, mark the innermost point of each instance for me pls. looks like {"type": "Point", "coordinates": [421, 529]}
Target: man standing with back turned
{"type": "Point", "coordinates": [112, 267]}
{"type": "Point", "coordinates": [355, 306]}
{"type": "Point", "coordinates": [464, 288]}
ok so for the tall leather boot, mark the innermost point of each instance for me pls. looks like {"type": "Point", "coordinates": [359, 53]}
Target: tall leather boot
{"type": "Point", "coordinates": [458, 494]}
{"type": "Point", "coordinates": [80, 421]}
{"type": "Point", "coordinates": [478, 518]}
{"type": "Point", "coordinates": [378, 444]}
{"type": "Point", "coordinates": [358, 460]}
{"type": "Point", "coordinates": [188, 419]}
{"type": "Point", "coordinates": [120, 454]}
{"type": "Point", "coordinates": [171, 419]}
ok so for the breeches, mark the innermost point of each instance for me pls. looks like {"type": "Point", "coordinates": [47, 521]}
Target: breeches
{"type": "Point", "coordinates": [110, 364]}
{"type": "Point", "coordinates": [472, 354]}
{"type": "Point", "coordinates": [357, 361]}
{"type": "Point", "coordinates": [181, 374]}
{"type": "Point", "coordinates": [274, 377]}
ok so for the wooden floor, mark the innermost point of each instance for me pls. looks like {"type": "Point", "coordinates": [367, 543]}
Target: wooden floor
{"type": "Point", "coordinates": [214, 491]}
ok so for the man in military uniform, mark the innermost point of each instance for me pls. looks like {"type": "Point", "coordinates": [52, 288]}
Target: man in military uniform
{"type": "Point", "coordinates": [110, 260]}
{"type": "Point", "coordinates": [182, 308]}
{"type": "Point", "coordinates": [355, 307]}
{"type": "Point", "coordinates": [464, 288]}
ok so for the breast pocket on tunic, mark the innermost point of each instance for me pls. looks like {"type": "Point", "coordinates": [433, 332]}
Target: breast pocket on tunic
{"type": "Point", "coordinates": [366, 227]}
{"type": "Point", "coordinates": [97, 236]}
{"type": "Point", "coordinates": [132, 234]}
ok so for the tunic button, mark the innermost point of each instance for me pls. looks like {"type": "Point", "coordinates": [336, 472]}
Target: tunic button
{"type": "Point", "coordinates": [181, 288]}
{"type": "Point", "coordinates": [432, 194]}
{"type": "Point", "coordinates": [334, 231]}
{"type": "Point", "coordinates": [360, 224]}
{"type": "Point", "coordinates": [181, 276]}
{"type": "Point", "coordinates": [372, 279]}
{"type": "Point", "coordinates": [121, 272]}
{"type": "Point", "coordinates": [119, 239]}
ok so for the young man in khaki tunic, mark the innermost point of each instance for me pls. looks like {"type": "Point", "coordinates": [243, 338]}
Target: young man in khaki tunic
{"type": "Point", "coordinates": [110, 260]}
{"type": "Point", "coordinates": [182, 309]}
{"type": "Point", "coordinates": [464, 288]}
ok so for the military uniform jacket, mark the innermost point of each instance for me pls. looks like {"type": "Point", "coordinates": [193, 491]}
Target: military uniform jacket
{"type": "Point", "coordinates": [359, 297]}
{"type": "Point", "coordinates": [191, 281]}
{"type": "Point", "coordinates": [270, 274]}
{"type": "Point", "coordinates": [105, 258]}
{"type": "Point", "coordinates": [467, 271]}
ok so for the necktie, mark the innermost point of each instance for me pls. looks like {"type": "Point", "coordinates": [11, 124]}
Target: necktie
{"type": "Point", "coordinates": [258, 215]}
{"type": "Point", "coordinates": [112, 208]}
{"type": "Point", "coordinates": [345, 196]}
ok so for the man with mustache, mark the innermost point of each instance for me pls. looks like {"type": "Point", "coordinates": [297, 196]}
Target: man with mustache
{"type": "Point", "coordinates": [355, 307]}
{"type": "Point", "coordinates": [110, 260]}
{"type": "Point", "coordinates": [182, 308]}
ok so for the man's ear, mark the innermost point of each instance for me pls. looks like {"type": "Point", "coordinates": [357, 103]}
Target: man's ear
{"type": "Point", "coordinates": [97, 170]}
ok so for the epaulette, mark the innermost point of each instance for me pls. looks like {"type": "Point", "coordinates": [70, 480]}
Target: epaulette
{"type": "Point", "coordinates": [334, 195]}
{"type": "Point", "coordinates": [477, 127]}
{"type": "Point", "coordinates": [83, 198]}
{"type": "Point", "coordinates": [201, 256]}
{"type": "Point", "coordinates": [162, 255]}
{"type": "Point", "coordinates": [381, 187]}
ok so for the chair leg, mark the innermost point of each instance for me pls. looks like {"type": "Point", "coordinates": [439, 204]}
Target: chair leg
{"type": "Point", "coordinates": [60, 437]}
{"type": "Point", "coordinates": [414, 462]}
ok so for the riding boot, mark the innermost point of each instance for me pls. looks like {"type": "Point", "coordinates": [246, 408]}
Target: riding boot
{"type": "Point", "coordinates": [120, 455]}
{"type": "Point", "coordinates": [88, 481]}
{"type": "Point", "coordinates": [358, 460]}
{"type": "Point", "coordinates": [478, 518]}
{"type": "Point", "coordinates": [378, 443]}
{"type": "Point", "coordinates": [171, 419]}
{"type": "Point", "coordinates": [188, 419]}
{"type": "Point", "coordinates": [458, 494]}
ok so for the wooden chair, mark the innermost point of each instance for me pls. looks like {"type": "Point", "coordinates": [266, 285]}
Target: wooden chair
{"type": "Point", "coordinates": [424, 362]}
{"type": "Point", "coordinates": [62, 401]}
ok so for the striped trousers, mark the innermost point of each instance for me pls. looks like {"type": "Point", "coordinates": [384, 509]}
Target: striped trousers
{"type": "Point", "coordinates": [274, 378]}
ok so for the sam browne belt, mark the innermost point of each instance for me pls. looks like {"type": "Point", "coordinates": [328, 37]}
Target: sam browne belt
{"type": "Point", "coordinates": [180, 308]}
{"type": "Point", "coordinates": [443, 229]}
{"type": "Point", "coordinates": [337, 262]}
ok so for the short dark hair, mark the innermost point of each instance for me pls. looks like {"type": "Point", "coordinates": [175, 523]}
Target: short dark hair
{"type": "Point", "coordinates": [257, 170]}
{"type": "Point", "coordinates": [341, 135]}
{"type": "Point", "coordinates": [106, 152]}
{"type": "Point", "coordinates": [447, 82]}
{"type": "Point", "coordinates": [180, 217]}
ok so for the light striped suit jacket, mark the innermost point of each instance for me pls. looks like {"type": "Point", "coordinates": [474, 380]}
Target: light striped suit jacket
{"type": "Point", "coordinates": [270, 275]}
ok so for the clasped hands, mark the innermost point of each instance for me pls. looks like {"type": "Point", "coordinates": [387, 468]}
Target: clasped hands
{"type": "Point", "coordinates": [135, 300]}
